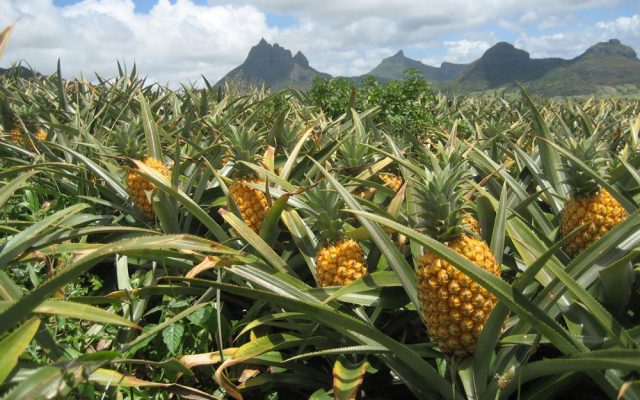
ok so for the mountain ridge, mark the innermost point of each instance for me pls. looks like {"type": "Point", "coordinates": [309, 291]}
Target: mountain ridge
{"type": "Point", "coordinates": [603, 65]}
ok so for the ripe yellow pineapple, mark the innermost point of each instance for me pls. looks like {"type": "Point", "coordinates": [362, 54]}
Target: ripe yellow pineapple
{"type": "Point", "coordinates": [454, 307]}
{"type": "Point", "coordinates": [138, 186]}
{"type": "Point", "coordinates": [393, 181]}
{"type": "Point", "coordinates": [339, 261]}
{"type": "Point", "coordinates": [244, 145]}
{"type": "Point", "coordinates": [470, 221]}
{"type": "Point", "coordinates": [252, 203]}
{"type": "Point", "coordinates": [16, 136]}
{"type": "Point", "coordinates": [40, 135]}
{"type": "Point", "coordinates": [588, 206]}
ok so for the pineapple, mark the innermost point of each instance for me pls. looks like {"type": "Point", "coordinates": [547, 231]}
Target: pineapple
{"type": "Point", "coordinates": [454, 307]}
{"type": "Point", "coordinates": [393, 181]}
{"type": "Point", "coordinates": [40, 135]}
{"type": "Point", "coordinates": [471, 223]}
{"type": "Point", "coordinates": [588, 206]}
{"type": "Point", "coordinates": [339, 261]}
{"type": "Point", "coordinates": [16, 136]}
{"type": "Point", "coordinates": [245, 145]}
{"type": "Point", "coordinates": [138, 186]}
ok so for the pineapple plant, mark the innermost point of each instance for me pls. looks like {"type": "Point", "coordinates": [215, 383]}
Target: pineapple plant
{"type": "Point", "coordinates": [454, 307]}
{"type": "Point", "coordinates": [245, 146]}
{"type": "Point", "coordinates": [9, 121]}
{"type": "Point", "coordinates": [139, 186]}
{"type": "Point", "coordinates": [339, 261]}
{"type": "Point", "coordinates": [589, 206]}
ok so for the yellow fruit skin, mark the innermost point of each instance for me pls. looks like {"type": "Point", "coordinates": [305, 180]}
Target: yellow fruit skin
{"type": "Point", "coordinates": [40, 134]}
{"type": "Point", "coordinates": [366, 193]}
{"type": "Point", "coordinates": [138, 186]}
{"type": "Point", "coordinates": [471, 223]}
{"type": "Point", "coordinates": [393, 181]}
{"type": "Point", "coordinates": [16, 136]}
{"type": "Point", "coordinates": [455, 308]}
{"type": "Point", "coordinates": [599, 212]}
{"type": "Point", "coordinates": [252, 203]}
{"type": "Point", "coordinates": [340, 264]}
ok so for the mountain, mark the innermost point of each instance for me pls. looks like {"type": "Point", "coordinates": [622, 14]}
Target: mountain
{"type": "Point", "coordinates": [604, 65]}
{"type": "Point", "coordinates": [607, 67]}
{"type": "Point", "coordinates": [18, 70]}
{"type": "Point", "coordinates": [275, 67]}
{"type": "Point", "coordinates": [392, 68]}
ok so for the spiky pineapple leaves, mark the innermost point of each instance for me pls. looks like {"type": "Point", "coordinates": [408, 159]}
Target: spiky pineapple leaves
{"type": "Point", "coordinates": [419, 375]}
{"type": "Point", "coordinates": [161, 182]}
{"type": "Point", "coordinates": [255, 348]}
{"type": "Point", "coordinates": [14, 344]}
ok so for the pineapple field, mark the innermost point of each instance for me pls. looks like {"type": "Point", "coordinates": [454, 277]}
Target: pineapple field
{"type": "Point", "coordinates": [370, 242]}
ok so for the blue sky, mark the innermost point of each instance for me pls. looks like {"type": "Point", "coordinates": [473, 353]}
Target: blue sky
{"type": "Point", "coordinates": [180, 40]}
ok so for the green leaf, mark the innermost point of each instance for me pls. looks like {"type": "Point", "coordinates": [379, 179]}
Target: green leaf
{"type": "Point", "coordinates": [154, 145]}
{"type": "Point", "coordinates": [269, 229]}
{"type": "Point", "coordinates": [256, 242]}
{"type": "Point", "coordinates": [627, 360]}
{"type": "Point", "coordinates": [617, 282]}
{"type": "Point", "coordinates": [421, 378]}
{"type": "Point", "coordinates": [347, 378]}
{"type": "Point", "coordinates": [549, 158]}
{"type": "Point", "coordinates": [77, 311]}
{"type": "Point", "coordinates": [7, 190]}
{"type": "Point", "coordinates": [162, 183]}
{"type": "Point", "coordinates": [21, 308]}
{"type": "Point", "coordinates": [172, 337]}
{"type": "Point", "coordinates": [12, 346]}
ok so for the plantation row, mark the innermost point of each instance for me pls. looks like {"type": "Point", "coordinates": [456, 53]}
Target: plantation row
{"type": "Point", "coordinates": [374, 242]}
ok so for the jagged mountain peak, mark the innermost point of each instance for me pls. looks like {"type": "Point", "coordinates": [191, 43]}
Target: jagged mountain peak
{"type": "Point", "coordinates": [300, 59]}
{"type": "Point", "coordinates": [274, 66]}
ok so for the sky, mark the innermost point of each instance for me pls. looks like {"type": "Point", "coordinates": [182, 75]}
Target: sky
{"type": "Point", "coordinates": [178, 41]}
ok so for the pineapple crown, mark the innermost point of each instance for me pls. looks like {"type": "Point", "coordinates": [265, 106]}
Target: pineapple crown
{"type": "Point", "coordinates": [325, 213]}
{"type": "Point", "coordinates": [440, 193]}
{"type": "Point", "coordinates": [128, 141]}
{"type": "Point", "coordinates": [354, 153]}
{"type": "Point", "coordinates": [592, 152]}
{"type": "Point", "coordinates": [243, 145]}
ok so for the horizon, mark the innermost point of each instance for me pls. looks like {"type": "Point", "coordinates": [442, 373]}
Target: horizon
{"type": "Point", "coordinates": [341, 39]}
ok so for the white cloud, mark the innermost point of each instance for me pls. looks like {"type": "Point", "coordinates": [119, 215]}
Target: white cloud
{"type": "Point", "coordinates": [178, 40]}
{"type": "Point", "coordinates": [572, 44]}
{"type": "Point", "coordinates": [175, 41]}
